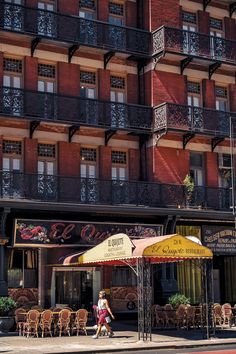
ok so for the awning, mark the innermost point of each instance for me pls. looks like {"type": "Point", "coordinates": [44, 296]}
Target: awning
{"type": "Point", "coordinates": [70, 259]}
{"type": "Point", "coordinates": [118, 249]}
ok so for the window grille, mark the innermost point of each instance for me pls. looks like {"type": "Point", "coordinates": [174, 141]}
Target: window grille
{"type": "Point", "coordinates": [46, 150]}
{"type": "Point", "coordinates": [46, 70]}
{"type": "Point", "coordinates": [12, 147]}
{"type": "Point", "coordinates": [221, 92]}
{"type": "Point", "coordinates": [88, 4]}
{"type": "Point", "coordinates": [189, 17]}
{"type": "Point", "coordinates": [216, 23]}
{"type": "Point", "coordinates": [118, 157]}
{"type": "Point", "coordinates": [116, 9]}
{"type": "Point", "coordinates": [193, 87]}
{"type": "Point", "coordinates": [87, 77]}
{"type": "Point", "coordinates": [88, 154]}
{"type": "Point", "coordinates": [13, 65]}
{"type": "Point", "coordinates": [117, 82]}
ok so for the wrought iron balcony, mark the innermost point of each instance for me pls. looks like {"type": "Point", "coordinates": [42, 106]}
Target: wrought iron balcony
{"type": "Point", "coordinates": [193, 44]}
{"type": "Point", "coordinates": [41, 106]}
{"type": "Point", "coordinates": [171, 116]}
{"type": "Point", "coordinates": [59, 189]}
{"type": "Point", "coordinates": [73, 30]}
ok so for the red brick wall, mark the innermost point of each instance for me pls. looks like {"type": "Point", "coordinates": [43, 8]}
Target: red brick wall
{"type": "Point", "coordinates": [232, 97]}
{"type": "Point", "coordinates": [134, 164]}
{"type": "Point", "coordinates": [30, 155]}
{"type": "Point", "coordinates": [106, 277]}
{"type": "Point", "coordinates": [31, 73]}
{"type": "Point", "coordinates": [211, 168]}
{"type": "Point", "coordinates": [104, 84]}
{"type": "Point", "coordinates": [68, 7]}
{"type": "Point", "coordinates": [170, 165]}
{"type": "Point", "coordinates": [68, 159]}
{"type": "Point", "coordinates": [102, 8]}
{"type": "Point", "coordinates": [208, 93]}
{"type": "Point", "coordinates": [132, 88]}
{"type": "Point", "coordinates": [105, 162]}
{"type": "Point", "coordinates": [131, 14]}
{"type": "Point", "coordinates": [68, 79]}
{"type": "Point", "coordinates": [203, 22]}
{"type": "Point", "coordinates": [146, 88]}
{"type": "Point", "coordinates": [230, 28]}
{"type": "Point", "coordinates": [144, 14]}
{"type": "Point", "coordinates": [1, 68]}
{"type": "Point", "coordinates": [165, 13]}
{"type": "Point", "coordinates": [169, 87]}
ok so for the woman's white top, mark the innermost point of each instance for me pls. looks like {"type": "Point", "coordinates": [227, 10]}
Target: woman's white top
{"type": "Point", "coordinates": [102, 304]}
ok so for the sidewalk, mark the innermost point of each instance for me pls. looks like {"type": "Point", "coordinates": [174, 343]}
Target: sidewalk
{"type": "Point", "coordinates": [125, 339]}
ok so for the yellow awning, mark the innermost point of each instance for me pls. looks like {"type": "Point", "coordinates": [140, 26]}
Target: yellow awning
{"type": "Point", "coordinates": [168, 248]}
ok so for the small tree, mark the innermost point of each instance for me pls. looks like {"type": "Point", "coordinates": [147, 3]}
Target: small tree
{"type": "Point", "coordinates": [7, 304]}
{"type": "Point", "coordinates": [189, 187]}
{"type": "Point", "coordinates": [178, 299]}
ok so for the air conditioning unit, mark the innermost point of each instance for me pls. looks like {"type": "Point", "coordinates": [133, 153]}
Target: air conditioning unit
{"type": "Point", "coordinates": [224, 161]}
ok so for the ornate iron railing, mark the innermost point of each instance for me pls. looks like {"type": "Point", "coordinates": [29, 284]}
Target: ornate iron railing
{"type": "Point", "coordinates": [58, 108]}
{"type": "Point", "coordinates": [59, 189]}
{"type": "Point", "coordinates": [167, 39]}
{"type": "Point", "coordinates": [194, 119]}
{"type": "Point", "coordinates": [74, 30]}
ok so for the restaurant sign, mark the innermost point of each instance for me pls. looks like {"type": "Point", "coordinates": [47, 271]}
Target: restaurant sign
{"type": "Point", "coordinates": [44, 233]}
{"type": "Point", "coordinates": [220, 239]}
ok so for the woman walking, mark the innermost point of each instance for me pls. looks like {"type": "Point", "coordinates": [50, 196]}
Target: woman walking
{"type": "Point", "coordinates": [103, 315]}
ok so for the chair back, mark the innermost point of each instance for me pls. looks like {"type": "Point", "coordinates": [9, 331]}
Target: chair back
{"type": "Point", "coordinates": [33, 316]}
{"type": "Point", "coordinates": [226, 309]}
{"type": "Point", "coordinates": [190, 311]}
{"type": "Point", "coordinates": [47, 316]}
{"type": "Point", "coordinates": [37, 307]}
{"type": "Point", "coordinates": [170, 313]}
{"type": "Point", "coordinates": [20, 314]}
{"type": "Point", "coordinates": [82, 315]}
{"type": "Point", "coordinates": [64, 316]}
{"type": "Point", "coordinates": [180, 312]}
{"type": "Point", "coordinates": [217, 310]}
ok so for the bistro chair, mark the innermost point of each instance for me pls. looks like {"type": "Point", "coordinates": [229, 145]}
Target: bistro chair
{"type": "Point", "coordinates": [32, 323]}
{"type": "Point", "coordinates": [217, 314]}
{"type": "Point", "coordinates": [37, 307]}
{"type": "Point", "coordinates": [180, 316]}
{"type": "Point", "coordinates": [81, 318]}
{"type": "Point", "coordinates": [170, 315]}
{"type": "Point", "coordinates": [56, 311]}
{"type": "Point", "coordinates": [190, 316]}
{"type": "Point", "coordinates": [226, 315]}
{"type": "Point", "coordinates": [64, 321]}
{"type": "Point", "coordinates": [46, 322]}
{"type": "Point", "coordinates": [20, 318]}
{"type": "Point", "coordinates": [160, 316]}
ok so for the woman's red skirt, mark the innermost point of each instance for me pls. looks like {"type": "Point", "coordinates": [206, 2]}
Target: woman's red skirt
{"type": "Point", "coordinates": [101, 316]}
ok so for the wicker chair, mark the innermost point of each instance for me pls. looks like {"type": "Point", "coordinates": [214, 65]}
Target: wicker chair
{"type": "Point", "coordinates": [56, 319]}
{"type": "Point", "coordinates": [32, 323]}
{"type": "Point", "coordinates": [20, 319]}
{"type": "Point", "coordinates": [181, 316]}
{"type": "Point", "coordinates": [217, 314]}
{"type": "Point", "coordinates": [37, 307]}
{"type": "Point", "coordinates": [160, 316]}
{"type": "Point", "coordinates": [170, 315]}
{"type": "Point", "coordinates": [81, 318]}
{"type": "Point", "coordinates": [190, 316]}
{"type": "Point", "coordinates": [64, 321]}
{"type": "Point", "coordinates": [46, 322]}
{"type": "Point", "coordinates": [226, 315]}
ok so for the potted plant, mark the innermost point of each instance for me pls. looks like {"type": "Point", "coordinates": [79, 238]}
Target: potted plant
{"type": "Point", "coordinates": [7, 305]}
{"type": "Point", "coordinates": [189, 188]}
{"type": "Point", "coordinates": [178, 299]}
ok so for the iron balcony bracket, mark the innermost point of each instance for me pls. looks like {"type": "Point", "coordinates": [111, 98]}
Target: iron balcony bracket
{"type": "Point", "coordinates": [108, 135]}
{"type": "Point", "coordinates": [212, 68]}
{"type": "Point", "coordinates": [107, 58]}
{"type": "Point", "coordinates": [157, 58]}
{"type": "Point", "coordinates": [72, 130]}
{"type": "Point", "coordinates": [33, 126]}
{"type": "Point", "coordinates": [34, 44]}
{"type": "Point", "coordinates": [71, 51]}
{"type": "Point", "coordinates": [184, 63]}
{"type": "Point", "coordinates": [186, 139]}
{"type": "Point", "coordinates": [205, 4]}
{"type": "Point", "coordinates": [216, 141]}
{"type": "Point", "coordinates": [158, 135]}
{"type": "Point", "coordinates": [232, 9]}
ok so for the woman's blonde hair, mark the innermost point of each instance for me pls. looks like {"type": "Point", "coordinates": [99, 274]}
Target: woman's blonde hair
{"type": "Point", "coordinates": [103, 293]}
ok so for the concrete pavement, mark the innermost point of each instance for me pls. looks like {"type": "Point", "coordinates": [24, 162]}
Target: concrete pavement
{"type": "Point", "coordinates": [125, 339]}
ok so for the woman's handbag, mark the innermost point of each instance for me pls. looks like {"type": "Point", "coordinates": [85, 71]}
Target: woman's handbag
{"type": "Point", "coordinates": [108, 319]}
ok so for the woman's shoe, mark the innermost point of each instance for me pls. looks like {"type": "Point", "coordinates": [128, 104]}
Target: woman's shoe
{"type": "Point", "coordinates": [111, 334]}
{"type": "Point", "coordinates": [95, 336]}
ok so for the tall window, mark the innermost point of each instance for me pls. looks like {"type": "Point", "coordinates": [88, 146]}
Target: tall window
{"type": "Point", "coordinates": [221, 98]}
{"type": "Point", "coordinates": [13, 15]}
{"type": "Point", "coordinates": [12, 82]}
{"type": "Point", "coordinates": [190, 38]}
{"type": "Point", "coordinates": [118, 95]}
{"type": "Point", "coordinates": [197, 168]}
{"type": "Point", "coordinates": [224, 168]}
{"type": "Point", "coordinates": [217, 38]}
{"type": "Point", "coordinates": [88, 108]}
{"type": "Point", "coordinates": [12, 166]}
{"type": "Point", "coordinates": [47, 84]}
{"type": "Point", "coordinates": [87, 9]}
{"type": "Point", "coordinates": [117, 35]}
{"type": "Point", "coordinates": [87, 28]}
{"type": "Point", "coordinates": [116, 13]}
{"type": "Point", "coordinates": [119, 165]}
{"type": "Point", "coordinates": [47, 170]}
{"type": "Point", "coordinates": [88, 173]}
{"type": "Point", "coordinates": [194, 102]}
{"type": "Point", "coordinates": [47, 18]}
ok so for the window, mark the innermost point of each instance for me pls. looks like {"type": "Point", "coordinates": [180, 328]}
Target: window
{"type": "Point", "coordinates": [88, 106]}
{"type": "Point", "coordinates": [221, 98]}
{"type": "Point", "coordinates": [87, 84]}
{"type": "Point", "coordinates": [46, 77]}
{"type": "Point", "coordinates": [197, 168]}
{"type": "Point", "coordinates": [12, 82]}
{"type": "Point", "coordinates": [224, 164]}
{"type": "Point", "coordinates": [87, 9]}
{"type": "Point", "coordinates": [123, 276]}
{"type": "Point", "coordinates": [88, 167]}
{"type": "Point", "coordinates": [13, 15]}
{"type": "Point", "coordinates": [118, 109]}
{"type": "Point", "coordinates": [47, 184]}
{"type": "Point", "coordinates": [194, 102]}
{"type": "Point", "coordinates": [117, 34]}
{"type": "Point", "coordinates": [119, 165]}
{"type": "Point", "coordinates": [190, 38]}
{"type": "Point", "coordinates": [217, 43]}
{"type": "Point", "coordinates": [116, 13]}
{"type": "Point", "coordinates": [47, 20]}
